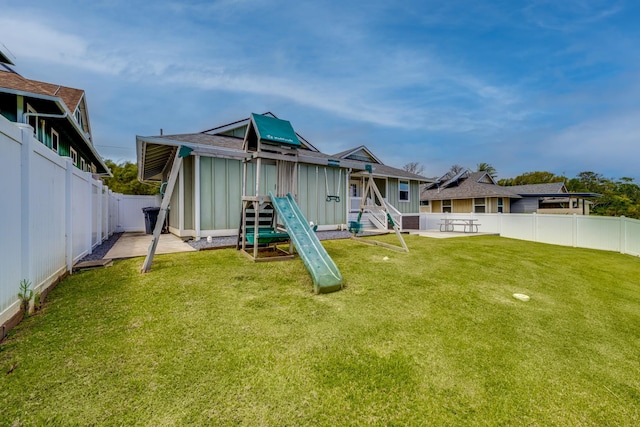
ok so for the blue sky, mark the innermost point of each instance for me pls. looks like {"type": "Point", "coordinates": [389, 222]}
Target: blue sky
{"type": "Point", "coordinates": [523, 85]}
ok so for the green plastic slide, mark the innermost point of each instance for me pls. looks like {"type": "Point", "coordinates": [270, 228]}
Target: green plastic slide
{"type": "Point", "coordinates": [324, 272]}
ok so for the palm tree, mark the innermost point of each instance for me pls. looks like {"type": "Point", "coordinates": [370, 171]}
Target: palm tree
{"type": "Point", "coordinates": [486, 167]}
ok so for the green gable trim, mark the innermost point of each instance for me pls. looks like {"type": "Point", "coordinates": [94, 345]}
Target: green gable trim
{"type": "Point", "coordinates": [5, 59]}
{"type": "Point", "coordinates": [274, 131]}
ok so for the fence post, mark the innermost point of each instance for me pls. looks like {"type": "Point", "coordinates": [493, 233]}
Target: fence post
{"type": "Point", "coordinates": [98, 214]}
{"type": "Point", "coordinates": [196, 201]}
{"type": "Point", "coordinates": [90, 215]}
{"type": "Point", "coordinates": [25, 189]}
{"type": "Point", "coordinates": [535, 226]}
{"type": "Point", "coordinates": [623, 234]}
{"type": "Point", "coordinates": [68, 221]}
{"type": "Point", "coordinates": [574, 231]}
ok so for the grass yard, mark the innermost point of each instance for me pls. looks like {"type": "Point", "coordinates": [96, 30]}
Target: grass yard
{"type": "Point", "coordinates": [433, 337]}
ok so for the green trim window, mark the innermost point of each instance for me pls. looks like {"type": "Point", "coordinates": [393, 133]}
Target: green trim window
{"type": "Point", "coordinates": [74, 156]}
{"type": "Point", "coordinates": [403, 191]}
{"type": "Point", "coordinates": [500, 205]}
{"type": "Point", "coordinates": [446, 206]}
{"type": "Point", "coordinates": [32, 120]}
{"type": "Point", "coordinates": [479, 205]}
{"type": "Point", "coordinates": [55, 140]}
{"type": "Point", "coordinates": [78, 116]}
{"type": "Point", "coordinates": [83, 165]}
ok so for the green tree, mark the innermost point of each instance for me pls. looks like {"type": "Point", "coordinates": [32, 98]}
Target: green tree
{"type": "Point", "coordinates": [414, 167]}
{"type": "Point", "coordinates": [125, 179]}
{"type": "Point", "coordinates": [537, 177]}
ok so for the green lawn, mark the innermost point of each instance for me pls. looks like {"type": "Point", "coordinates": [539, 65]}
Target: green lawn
{"type": "Point", "coordinates": [433, 337]}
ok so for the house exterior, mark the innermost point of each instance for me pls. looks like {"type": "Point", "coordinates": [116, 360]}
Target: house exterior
{"type": "Point", "coordinates": [207, 200]}
{"type": "Point", "coordinates": [550, 198]}
{"type": "Point", "coordinates": [477, 192]}
{"type": "Point", "coordinates": [57, 114]}
{"type": "Point", "coordinates": [467, 192]}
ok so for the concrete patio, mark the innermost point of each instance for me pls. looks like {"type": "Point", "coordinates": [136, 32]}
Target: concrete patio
{"type": "Point", "coordinates": [131, 245]}
{"type": "Point", "coordinates": [437, 234]}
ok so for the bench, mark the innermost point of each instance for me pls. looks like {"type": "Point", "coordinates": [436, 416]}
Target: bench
{"type": "Point", "coordinates": [449, 224]}
{"type": "Point", "coordinates": [266, 235]}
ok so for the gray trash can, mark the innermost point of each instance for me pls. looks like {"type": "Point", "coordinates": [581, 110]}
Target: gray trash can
{"type": "Point", "coordinates": [150, 218]}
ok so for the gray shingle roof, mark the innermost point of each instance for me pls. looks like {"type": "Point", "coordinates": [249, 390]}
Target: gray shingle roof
{"type": "Point", "coordinates": [235, 143]}
{"type": "Point", "coordinates": [548, 188]}
{"type": "Point", "coordinates": [469, 188]}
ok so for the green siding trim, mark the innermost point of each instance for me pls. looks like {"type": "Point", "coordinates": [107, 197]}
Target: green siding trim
{"type": "Point", "coordinates": [312, 194]}
{"type": "Point", "coordinates": [174, 212]}
{"type": "Point", "coordinates": [393, 197]}
{"type": "Point", "coordinates": [220, 193]}
{"type": "Point", "coordinates": [189, 199]}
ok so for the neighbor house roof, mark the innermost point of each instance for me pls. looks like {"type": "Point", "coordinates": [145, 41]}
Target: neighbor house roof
{"type": "Point", "coordinates": [62, 99]}
{"type": "Point", "coordinates": [360, 153]}
{"type": "Point", "coordinates": [15, 82]}
{"type": "Point", "coordinates": [532, 189]}
{"type": "Point", "coordinates": [466, 185]}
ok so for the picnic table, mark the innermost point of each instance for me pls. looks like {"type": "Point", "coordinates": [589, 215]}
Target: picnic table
{"type": "Point", "coordinates": [469, 225]}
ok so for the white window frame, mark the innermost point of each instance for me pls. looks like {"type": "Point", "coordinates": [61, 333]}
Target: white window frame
{"type": "Point", "coordinates": [42, 131]}
{"type": "Point", "coordinates": [31, 110]}
{"type": "Point", "coordinates": [93, 168]}
{"type": "Point", "coordinates": [400, 191]}
{"type": "Point", "coordinates": [354, 189]}
{"type": "Point", "coordinates": [500, 204]}
{"type": "Point", "coordinates": [78, 117]}
{"type": "Point", "coordinates": [450, 206]}
{"type": "Point", "coordinates": [476, 204]}
{"type": "Point", "coordinates": [83, 164]}
{"type": "Point", "coordinates": [74, 156]}
{"type": "Point", "coordinates": [55, 140]}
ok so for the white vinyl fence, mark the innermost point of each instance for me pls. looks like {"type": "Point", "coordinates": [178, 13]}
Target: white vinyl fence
{"type": "Point", "coordinates": [580, 231]}
{"type": "Point", "coordinates": [52, 214]}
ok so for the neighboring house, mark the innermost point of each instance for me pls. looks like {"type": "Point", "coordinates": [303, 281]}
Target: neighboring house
{"type": "Point", "coordinates": [467, 192]}
{"type": "Point", "coordinates": [57, 114]}
{"type": "Point", "coordinates": [477, 192]}
{"type": "Point", "coordinates": [550, 198]}
{"type": "Point", "coordinates": [207, 200]}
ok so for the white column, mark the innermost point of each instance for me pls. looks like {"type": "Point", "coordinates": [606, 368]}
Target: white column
{"type": "Point", "coordinates": [196, 186]}
{"type": "Point", "coordinates": [90, 215]}
{"type": "Point", "coordinates": [623, 234]}
{"type": "Point", "coordinates": [98, 185]}
{"type": "Point", "coordinates": [68, 222]}
{"type": "Point", "coordinates": [25, 184]}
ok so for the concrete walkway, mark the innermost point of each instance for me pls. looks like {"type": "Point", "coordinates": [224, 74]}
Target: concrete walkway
{"type": "Point", "coordinates": [131, 245]}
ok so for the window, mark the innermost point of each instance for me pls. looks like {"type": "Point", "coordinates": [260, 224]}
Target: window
{"type": "Point", "coordinates": [93, 168]}
{"type": "Point", "coordinates": [41, 132]}
{"type": "Point", "coordinates": [83, 165]}
{"type": "Point", "coordinates": [74, 156]}
{"type": "Point", "coordinates": [354, 190]}
{"type": "Point", "coordinates": [403, 187]}
{"type": "Point", "coordinates": [78, 116]}
{"type": "Point", "coordinates": [32, 120]}
{"type": "Point", "coordinates": [446, 206]}
{"type": "Point", "coordinates": [479, 205]}
{"type": "Point", "coordinates": [500, 204]}
{"type": "Point", "coordinates": [55, 139]}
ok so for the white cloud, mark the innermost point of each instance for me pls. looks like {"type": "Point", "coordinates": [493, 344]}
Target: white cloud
{"type": "Point", "coordinates": [609, 144]}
